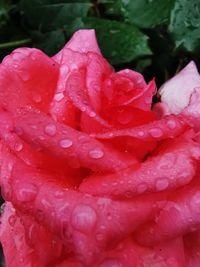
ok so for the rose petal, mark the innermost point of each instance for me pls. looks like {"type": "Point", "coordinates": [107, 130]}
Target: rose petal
{"type": "Point", "coordinates": [77, 148]}
{"type": "Point", "coordinates": [82, 41]}
{"type": "Point", "coordinates": [32, 155]}
{"type": "Point", "coordinates": [28, 78]}
{"type": "Point", "coordinates": [192, 249]}
{"type": "Point", "coordinates": [173, 167]}
{"type": "Point", "coordinates": [75, 90]}
{"type": "Point", "coordinates": [128, 253]}
{"type": "Point", "coordinates": [16, 251]}
{"type": "Point", "coordinates": [177, 91]}
{"type": "Point", "coordinates": [76, 218]}
{"type": "Point", "coordinates": [181, 215]}
{"type": "Point", "coordinates": [192, 111]}
{"type": "Point", "coordinates": [168, 127]}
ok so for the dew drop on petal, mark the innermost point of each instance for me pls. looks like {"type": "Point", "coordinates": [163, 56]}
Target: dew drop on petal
{"type": "Point", "coordinates": [171, 124]}
{"type": "Point", "coordinates": [92, 114]}
{"type": "Point", "coordinates": [156, 132]}
{"type": "Point", "coordinates": [99, 237]}
{"type": "Point", "coordinates": [125, 117]}
{"type": "Point", "coordinates": [141, 133]}
{"type": "Point", "coordinates": [58, 97]}
{"type": "Point", "coordinates": [195, 202]}
{"type": "Point", "coordinates": [96, 153]}
{"type": "Point", "coordinates": [167, 161]}
{"type": "Point", "coordinates": [141, 188]}
{"type": "Point", "coordinates": [73, 67]}
{"type": "Point", "coordinates": [50, 129]}
{"type": "Point", "coordinates": [18, 131]}
{"type": "Point", "coordinates": [162, 184]}
{"type": "Point", "coordinates": [83, 109]}
{"type": "Point", "coordinates": [18, 147]}
{"type": "Point", "coordinates": [36, 98]}
{"type": "Point", "coordinates": [12, 220]}
{"type": "Point", "coordinates": [59, 194]}
{"type": "Point", "coordinates": [66, 143]}
{"type": "Point", "coordinates": [25, 75]}
{"type": "Point", "coordinates": [27, 193]}
{"type": "Point", "coordinates": [83, 218]}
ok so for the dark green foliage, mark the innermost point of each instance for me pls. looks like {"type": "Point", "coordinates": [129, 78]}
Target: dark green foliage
{"type": "Point", "coordinates": [155, 37]}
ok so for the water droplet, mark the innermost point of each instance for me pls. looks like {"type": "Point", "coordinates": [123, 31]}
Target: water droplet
{"type": "Point", "coordinates": [162, 184]}
{"type": "Point", "coordinates": [18, 130]}
{"type": "Point", "coordinates": [141, 188]}
{"type": "Point", "coordinates": [167, 161]}
{"type": "Point", "coordinates": [92, 114]}
{"type": "Point", "coordinates": [59, 194]}
{"type": "Point", "coordinates": [59, 96]}
{"type": "Point", "coordinates": [125, 117]}
{"type": "Point", "coordinates": [83, 109]}
{"type": "Point", "coordinates": [28, 192]}
{"type": "Point", "coordinates": [96, 153]}
{"type": "Point", "coordinates": [50, 129]}
{"type": "Point", "coordinates": [83, 218]}
{"type": "Point", "coordinates": [45, 203]}
{"type": "Point", "coordinates": [99, 237]}
{"type": "Point", "coordinates": [128, 194]}
{"type": "Point", "coordinates": [33, 57]}
{"type": "Point", "coordinates": [109, 217]}
{"type": "Point", "coordinates": [196, 200]}
{"type": "Point", "coordinates": [73, 67]}
{"type": "Point", "coordinates": [36, 98]}
{"type": "Point", "coordinates": [126, 70]}
{"type": "Point", "coordinates": [34, 127]}
{"type": "Point", "coordinates": [141, 133]}
{"type": "Point", "coordinates": [18, 147]}
{"type": "Point", "coordinates": [66, 143]}
{"type": "Point", "coordinates": [12, 220]}
{"type": "Point", "coordinates": [171, 124]}
{"type": "Point", "coordinates": [111, 263]}
{"type": "Point", "coordinates": [103, 201]}
{"type": "Point", "coordinates": [156, 132]}
{"type": "Point", "coordinates": [25, 75]}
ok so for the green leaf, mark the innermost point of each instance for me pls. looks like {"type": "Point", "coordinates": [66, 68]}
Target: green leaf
{"type": "Point", "coordinates": [118, 41]}
{"type": "Point", "coordinates": [185, 24]}
{"type": "Point", "coordinates": [50, 42]}
{"type": "Point", "coordinates": [3, 12]}
{"type": "Point", "coordinates": [143, 13]}
{"type": "Point", "coordinates": [47, 15]}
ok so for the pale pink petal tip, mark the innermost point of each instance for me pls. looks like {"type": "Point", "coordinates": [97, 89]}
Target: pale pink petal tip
{"type": "Point", "coordinates": [84, 41]}
{"type": "Point", "coordinates": [176, 92]}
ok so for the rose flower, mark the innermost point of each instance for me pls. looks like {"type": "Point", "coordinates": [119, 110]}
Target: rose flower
{"type": "Point", "coordinates": [91, 174]}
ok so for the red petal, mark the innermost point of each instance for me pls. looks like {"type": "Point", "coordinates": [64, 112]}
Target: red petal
{"type": "Point", "coordinates": [76, 218]}
{"type": "Point", "coordinates": [192, 249]}
{"type": "Point", "coordinates": [28, 78]}
{"type": "Point", "coordinates": [168, 127]}
{"type": "Point", "coordinates": [82, 41]}
{"type": "Point", "coordinates": [77, 148]}
{"type": "Point", "coordinates": [173, 167]}
{"type": "Point", "coordinates": [127, 116]}
{"type": "Point", "coordinates": [17, 252]}
{"type": "Point", "coordinates": [180, 216]}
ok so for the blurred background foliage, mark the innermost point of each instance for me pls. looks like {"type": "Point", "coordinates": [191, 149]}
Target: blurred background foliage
{"type": "Point", "coordinates": [154, 37]}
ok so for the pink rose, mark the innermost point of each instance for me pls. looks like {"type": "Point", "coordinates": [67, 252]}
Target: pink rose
{"type": "Point", "coordinates": [91, 174]}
